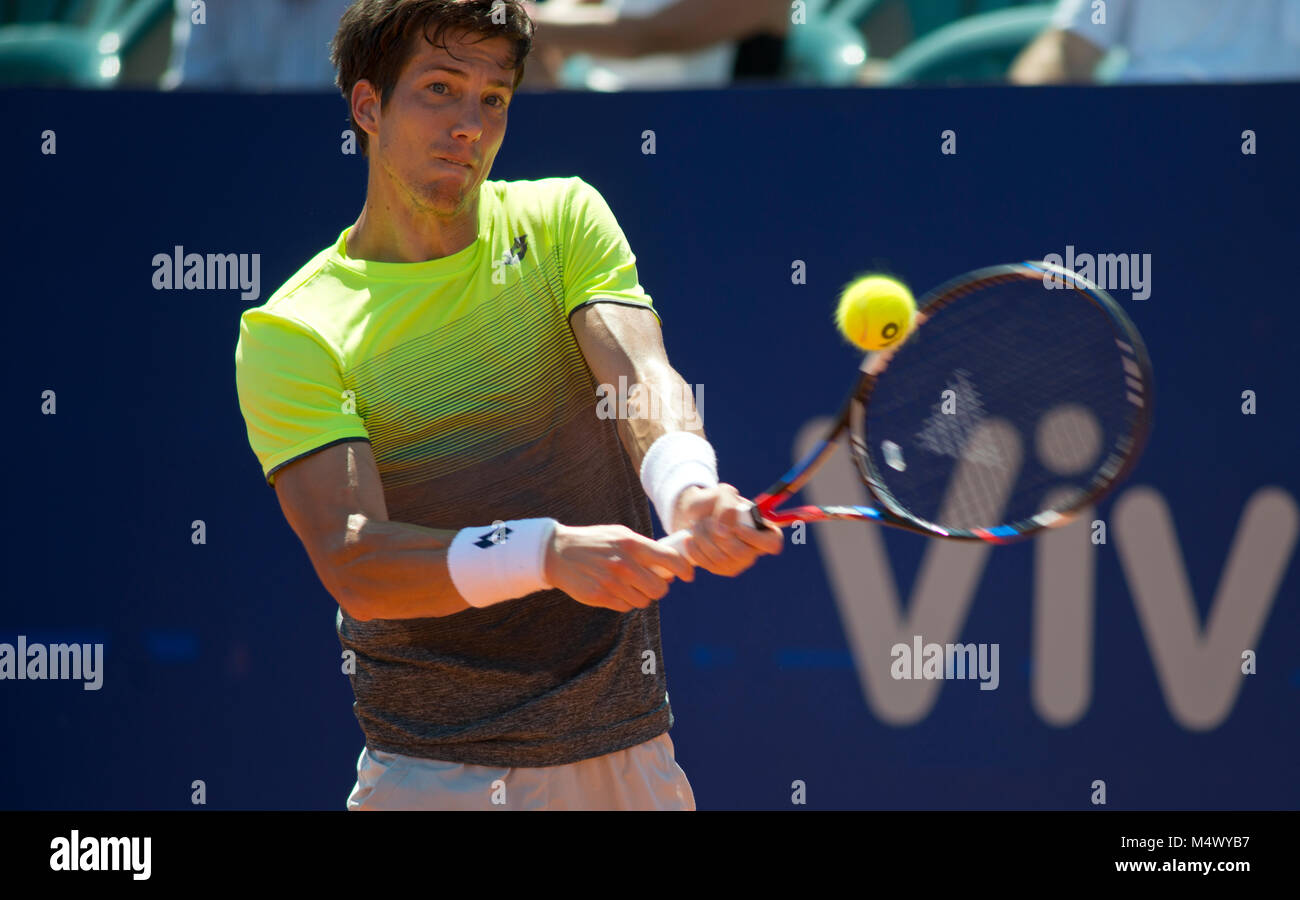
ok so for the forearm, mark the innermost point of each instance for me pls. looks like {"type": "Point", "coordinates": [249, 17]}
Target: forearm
{"type": "Point", "coordinates": [662, 403]}
{"type": "Point", "coordinates": [393, 570]}
{"type": "Point", "coordinates": [399, 571]}
{"type": "Point", "coordinates": [624, 348]}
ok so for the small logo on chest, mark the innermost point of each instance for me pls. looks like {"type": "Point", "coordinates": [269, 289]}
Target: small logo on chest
{"type": "Point", "coordinates": [512, 257]}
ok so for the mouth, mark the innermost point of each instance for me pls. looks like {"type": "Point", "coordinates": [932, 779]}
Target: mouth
{"type": "Point", "coordinates": [453, 162]}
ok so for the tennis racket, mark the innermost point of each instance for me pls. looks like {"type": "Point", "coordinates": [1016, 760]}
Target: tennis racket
{"type": "Point", "coordinates": [1022, 395]}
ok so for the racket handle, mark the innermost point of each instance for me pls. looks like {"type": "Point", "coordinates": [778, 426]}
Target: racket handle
{"type": "Point", "coordinates": [676, 540]}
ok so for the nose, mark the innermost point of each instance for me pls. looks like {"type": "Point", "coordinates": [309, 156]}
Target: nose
{"type": "Point", "coordinates": [469, 120]}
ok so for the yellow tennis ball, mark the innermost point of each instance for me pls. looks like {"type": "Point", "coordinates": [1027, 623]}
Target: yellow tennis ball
{"type": "Point", "coordinates": [875, 312]}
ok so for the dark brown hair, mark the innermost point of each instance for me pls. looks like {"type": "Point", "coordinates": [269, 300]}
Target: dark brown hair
{"type": "Point", "coordinates": [376, 38]}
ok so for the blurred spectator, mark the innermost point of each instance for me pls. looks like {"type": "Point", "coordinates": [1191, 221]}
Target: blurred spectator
{"type": "Point", "coordinates": [658, 43]}
{"type": "Point", "coordinates": [284, 44]}
{"type": "Point", "coordinates": [1167, 40]}
{"type": "Point", "coordinates": [257, 45]}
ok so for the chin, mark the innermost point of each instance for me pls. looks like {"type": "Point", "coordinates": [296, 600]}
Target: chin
{"type": "Point", "coordinates": [439, 200]}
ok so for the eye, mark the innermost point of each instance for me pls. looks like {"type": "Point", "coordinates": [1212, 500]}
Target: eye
{"type": "Point", "coordinates": [500, 101]}
{"type": "Point", "coordinates": [437, 84]}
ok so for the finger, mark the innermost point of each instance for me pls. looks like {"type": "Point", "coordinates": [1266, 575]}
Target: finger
{"type": "Point", "coordinates": [728, 541]}
{"type": "Point", "coordinates": [702, 548]}
{"type": "Point", "coordinates": [656, 555]}
{"type": "Point", "coordinates": [769, 540]}
{"type": "Point", "coordinates": [641, 580]}
{"type": "Point", "coordinates": [745, 530]}
{"type": "Point", "coordinates": [612, 596]}
{"type": "Point", "coordinates": [762, 535]}
{"type": "Point", "coordinates": [619, 587]}
{"type": "Point", "coordinates": [594, 593]}
{"type": "Point", "coordinates": [775, 538]}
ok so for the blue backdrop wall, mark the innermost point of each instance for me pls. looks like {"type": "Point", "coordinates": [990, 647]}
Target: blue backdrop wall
{"type": "Point", "coordinates": [222, 664]}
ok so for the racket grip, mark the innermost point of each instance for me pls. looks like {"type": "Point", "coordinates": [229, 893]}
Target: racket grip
{"type": "Point", "coordinates": [677, 541]}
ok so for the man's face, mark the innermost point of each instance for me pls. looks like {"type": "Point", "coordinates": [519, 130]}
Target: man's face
{"type": "Point", "coordinates": [447, 105]}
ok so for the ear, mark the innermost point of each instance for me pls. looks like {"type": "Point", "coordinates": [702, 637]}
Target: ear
{"type": "Point", "coordinates": [366, 108]}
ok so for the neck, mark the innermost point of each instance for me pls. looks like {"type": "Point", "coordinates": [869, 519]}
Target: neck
{"type": "Point", "coordinates": [391, 228]}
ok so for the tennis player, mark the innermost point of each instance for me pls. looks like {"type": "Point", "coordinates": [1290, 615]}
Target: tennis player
{"type": "Point", "coordinates": [422, 397]}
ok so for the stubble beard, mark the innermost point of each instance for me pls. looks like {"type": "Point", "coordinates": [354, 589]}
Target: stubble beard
{"type": "Point", "coordinates": [436, 198]}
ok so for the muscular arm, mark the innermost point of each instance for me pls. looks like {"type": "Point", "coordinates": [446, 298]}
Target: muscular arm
{"type": "Point", "coordinates": [677, 28]}
{"type": "Point", "coordinates": [625, 341]}
{"type": "Point", "coordinates": [373, 568]}
{"type": "Point", "coordinates": [620, 340]}
{"type": "Point", "coordinates": [1056, 56]}
{"type": "Point", "coordinates": [378, 569]}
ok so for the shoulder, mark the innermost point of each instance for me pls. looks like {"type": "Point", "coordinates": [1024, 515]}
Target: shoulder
{"type": "Point", "coordinates": [553, 195]}
{"type": "Point", "coordinates": [559, 211]}
{"type": "Point", "coordinates": [300, 306]}
{"type": "Point", "coordinates": [311, 279]}
{"type": "Point", "coordinates": [310, 293]}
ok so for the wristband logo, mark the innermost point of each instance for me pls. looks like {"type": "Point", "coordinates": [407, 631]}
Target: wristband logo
{"type": "Point", "coordinates": [498, 535]}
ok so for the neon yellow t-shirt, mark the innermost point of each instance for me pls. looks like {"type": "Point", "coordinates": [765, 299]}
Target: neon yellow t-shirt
{"type": "Point", "coordinates": [416, 357]}
{"type": "Point", "coordinates": [466, 379]}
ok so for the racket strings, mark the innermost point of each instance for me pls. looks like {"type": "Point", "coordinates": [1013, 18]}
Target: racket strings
{"type": "Point", "coordinates": [1005, 395]}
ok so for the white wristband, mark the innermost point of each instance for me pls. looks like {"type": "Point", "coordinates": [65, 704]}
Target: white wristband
{"type": "Point", "coordinates": [493, 563]}
{"type": "Point", "coordinates": [674, 462]}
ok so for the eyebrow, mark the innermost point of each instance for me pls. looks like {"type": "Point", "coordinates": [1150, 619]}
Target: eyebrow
{"type": "Point", "coordinates": [440, 68]}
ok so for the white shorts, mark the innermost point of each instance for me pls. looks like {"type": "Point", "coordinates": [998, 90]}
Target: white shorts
{"type": "Point", "coordinates": [644, 777]}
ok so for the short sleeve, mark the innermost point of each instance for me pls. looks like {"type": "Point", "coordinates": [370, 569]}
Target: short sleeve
{"type": "Point", "coordinates": [291, 391]}
{"type": "Point", "coordinates": [1079, 17]}
{"type": "Point", "coordinates": [599, 266]}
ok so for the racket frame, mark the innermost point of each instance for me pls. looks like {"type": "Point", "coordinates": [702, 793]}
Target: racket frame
{"type": "Point", "coordinates": [853, 419]}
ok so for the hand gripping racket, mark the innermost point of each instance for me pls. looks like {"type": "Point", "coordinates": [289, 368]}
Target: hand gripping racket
{"type": "Point", "coordinates": [1022, 395]}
